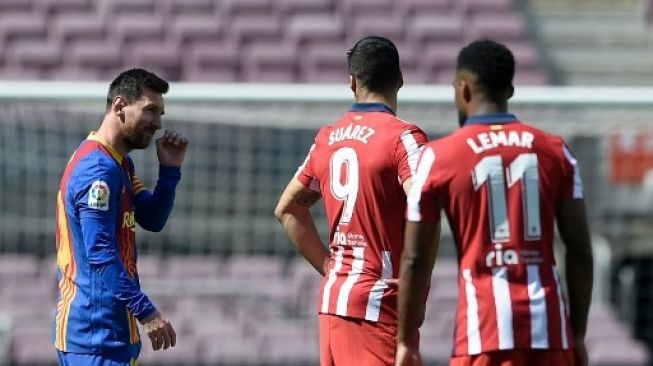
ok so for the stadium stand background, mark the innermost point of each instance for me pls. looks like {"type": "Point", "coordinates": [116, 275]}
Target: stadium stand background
{"type": "Point", "coordinates": [248, 40]}
{"type": "Point", "coordinates": [222, 269]}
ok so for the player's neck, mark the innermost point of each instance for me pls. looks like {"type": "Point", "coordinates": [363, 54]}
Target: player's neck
{"type": "Point", "coordinates": [370, 97]}
{"type": "Point", "coordinates": [488, 108]}
{"type": "Point", "coordinates": [110, 133]}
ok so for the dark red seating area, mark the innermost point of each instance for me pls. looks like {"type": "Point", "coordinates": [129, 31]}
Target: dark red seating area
{"type": "Point", "coordinates": [248, 40]}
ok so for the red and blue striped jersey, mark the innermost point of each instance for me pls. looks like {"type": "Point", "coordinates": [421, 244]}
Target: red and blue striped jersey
{"type": "Point", "coordinates": [100, 298]}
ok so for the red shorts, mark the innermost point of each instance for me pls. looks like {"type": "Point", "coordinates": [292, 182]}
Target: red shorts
{"type": "Point", "coordinates": [356, 342]}
{"type": "Point", "coordinates": [518, 357]}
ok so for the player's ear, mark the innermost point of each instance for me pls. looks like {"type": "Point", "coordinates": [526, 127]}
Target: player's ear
{"type": "Point", "coordinates": [352, 83]}
{"type": "Point", "coordinates": [118, 106]}
{"type": "Point", "coordinates": [401, 80]}
{"type": "Point", "coordinates": [466, 90]}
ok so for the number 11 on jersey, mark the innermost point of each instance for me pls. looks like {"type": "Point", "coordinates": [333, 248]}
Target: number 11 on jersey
{"type": "Point", "coordinates": [524, 168]}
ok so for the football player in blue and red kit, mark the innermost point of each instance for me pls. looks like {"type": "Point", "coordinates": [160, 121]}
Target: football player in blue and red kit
{"type": "Point", "coordinates": [100, 200]}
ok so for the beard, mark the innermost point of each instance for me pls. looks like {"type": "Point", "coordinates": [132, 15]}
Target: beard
{"type": "Point", "coordinates": [138, 139]}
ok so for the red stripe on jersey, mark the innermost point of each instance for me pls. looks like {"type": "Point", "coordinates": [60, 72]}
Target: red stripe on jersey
{"type": "Point", "coordinates": [461, 342]}
{"type": "Point", "coordinates": [86, 148]}
{"type": "Point", "coordinates": [66, 251]}
{"type": "Point", "coordinates": [81, 152]}
{"type": "Point", "coordinates": [126, 230]}
{"type": "Point", "coordinates": [520, 305]}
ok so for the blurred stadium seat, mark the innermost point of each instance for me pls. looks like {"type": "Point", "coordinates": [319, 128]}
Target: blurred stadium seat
{"type": "Point", "coordinates": [191, 267]}
{"type": "Point", "coordinates": [49, 39]}
{"type": "Point", "coordinates": [31, 345]}
{"type": "Point", "coordinates": [591, 42]}
{"type": "Point", "coordinates": [610, 341]}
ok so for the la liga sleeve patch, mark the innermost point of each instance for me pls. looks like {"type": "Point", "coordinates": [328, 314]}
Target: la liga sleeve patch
{"type": "Point", "coordinates": [98, 196]}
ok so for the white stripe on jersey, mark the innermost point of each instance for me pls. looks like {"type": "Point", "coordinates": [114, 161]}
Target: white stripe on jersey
{"type": "Point", "coordinates": [563, 314]}
{"type": "Point", "coordinates": [314, 183]}
{"type": "Point", "coordinates": [412, 150]}
{"type": "Point", "coordinates": [326, 291]}
{"type": "Point", "coordinates": [578, 184]}
{"type": "Point", "coordinates": [473, 330]}
{"type": "Point", "coordinates": [376, 294]}
{"type": "Point", "coordinates": [352, 277]}
{"type": "Point", "coordinates": [502, 303]}
{"type": "Point", "coordinates": [415, 194]}
{"type": "Point", "coordinates": [537, 305]}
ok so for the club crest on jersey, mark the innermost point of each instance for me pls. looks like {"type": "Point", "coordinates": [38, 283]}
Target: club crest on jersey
{"type": "Point", "coordinates": [98, 195]}
{"type": "Point", "coordinates": [500, 257]}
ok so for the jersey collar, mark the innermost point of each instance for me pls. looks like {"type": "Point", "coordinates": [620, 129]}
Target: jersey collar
{"type": "Point", "coordinates": [371, 107]}
{"type": "Point", "coordinates": [114, 153]}
{"type": "Point", "coordinates": [491, 119]}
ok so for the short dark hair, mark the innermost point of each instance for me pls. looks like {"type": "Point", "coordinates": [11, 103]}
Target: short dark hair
{"type": "Point", "coordinates": [130, 83]}
{"type": "Point", "coordinates": [374, 62]}
{"type": "Point", "coordinates": [492, 63]}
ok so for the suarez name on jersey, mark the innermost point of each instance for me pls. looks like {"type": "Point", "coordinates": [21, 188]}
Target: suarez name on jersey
{"type": "Point", "coordinates": [359, 165]}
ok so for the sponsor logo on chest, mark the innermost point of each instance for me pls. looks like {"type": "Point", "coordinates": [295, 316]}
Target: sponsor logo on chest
{"type": "Point", "coordinates": [500, 257]}
{"type": "Point", "coordinates": [128, 220]}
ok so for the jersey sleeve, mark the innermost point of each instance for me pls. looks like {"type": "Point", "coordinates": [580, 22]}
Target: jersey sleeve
{"type": "Point", "coordinates": [423, 195]}
{"type": "Point", "coordinates": [152, 209]}
{"type": "Point", "coordinates": [572, 185]}
{"type": "Point", "coordinates": [305, 173]}
{"type": "Point", "coordinates": [97, 199]}
{"type": "Point", "coordinates": [407, 152]}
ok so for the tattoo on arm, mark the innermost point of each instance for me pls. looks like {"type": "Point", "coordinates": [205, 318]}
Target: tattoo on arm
{"type": "Point", "coordinates": [307, 198]}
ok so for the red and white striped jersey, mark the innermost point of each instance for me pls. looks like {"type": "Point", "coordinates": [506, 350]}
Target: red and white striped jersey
{"type": "Point", "coordinates": [499, 182]}
{"type": "Point", "coordinates": [359, 164]}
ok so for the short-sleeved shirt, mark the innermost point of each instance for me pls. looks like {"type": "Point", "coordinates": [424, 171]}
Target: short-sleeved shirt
{"type": "Point", "coordinates": [499, 181]}
{"type": "Point", "coordinates": [359, 165]}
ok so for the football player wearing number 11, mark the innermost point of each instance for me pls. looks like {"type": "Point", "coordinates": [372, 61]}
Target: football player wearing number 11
{"type": "Point", "coordinates": [362, 166]}
{"type": "Point", "coordinates": [502, 184]}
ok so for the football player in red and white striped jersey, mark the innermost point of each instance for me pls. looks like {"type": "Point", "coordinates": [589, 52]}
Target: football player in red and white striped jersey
{"type": "Point", "coordinates": [362, 166]}
{"type": "Point", "coordinates": [502, 185]}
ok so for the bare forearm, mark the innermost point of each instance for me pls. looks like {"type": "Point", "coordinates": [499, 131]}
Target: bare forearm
{"type": "Point", "coordinates": [414, 283]}
{"type": "Point", "coordinates": [303, 234]}
{"type": "Point", "coordinates": [294, 215]}
{"type": "Point", "coordinates": [417, 263]}
{"type": "Point", "coordinates": [574, 232]}
{"type": "Point", "coordinates": [579, 275]}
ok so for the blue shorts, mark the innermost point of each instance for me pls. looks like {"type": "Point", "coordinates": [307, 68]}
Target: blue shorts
{"type": "Point", "coordinates": [84, 359]}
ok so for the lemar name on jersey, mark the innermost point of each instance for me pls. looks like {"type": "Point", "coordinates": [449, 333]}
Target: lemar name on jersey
{"type": "Point", "coordinates": [361, 133]}
{"type": "Point", "coordinates": [490, 140]}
